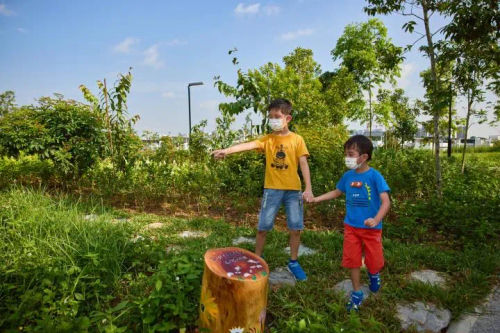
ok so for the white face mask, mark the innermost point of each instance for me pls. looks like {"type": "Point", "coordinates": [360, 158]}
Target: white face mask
{"type": "Point", "coordinates": [352, 162]}
{"type": "Point", "coordinates": [276, 124]}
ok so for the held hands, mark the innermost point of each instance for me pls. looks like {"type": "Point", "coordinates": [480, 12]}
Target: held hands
{"type": "Point", "coordinates": [370, 222]}
{"type": "Point", "coordinates": [308, 196]}
{"type": "Point", "coordinates": [219, 154]}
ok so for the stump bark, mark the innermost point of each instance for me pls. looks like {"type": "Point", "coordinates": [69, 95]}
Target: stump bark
{"type": "Point", "coordinates": [234, 291]}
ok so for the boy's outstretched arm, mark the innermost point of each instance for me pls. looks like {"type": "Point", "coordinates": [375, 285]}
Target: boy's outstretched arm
{"type": "Point", "coordinates": [383, 210]}
{"type": "Point", "coordinates": [221, 153]}
{"type": "Point", "coordinates": [306, 175]}
{"type": "Point", "coordinates": [328, 196]}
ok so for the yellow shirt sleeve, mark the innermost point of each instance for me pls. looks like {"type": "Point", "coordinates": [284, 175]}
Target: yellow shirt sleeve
{"type": "Point", "coordinates": [261, 142]}
{"type": "Point", "coordinates": [301, 147]}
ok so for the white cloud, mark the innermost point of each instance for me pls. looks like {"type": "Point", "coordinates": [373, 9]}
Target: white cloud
{"type": "Point", "coordinates": [296, 34]}
{"type": "Point", "coordinates": [252, 9]}
{"type": "Point", "coordinates": [152, 57]}
{"type": "Point", "coordinates": [168, 94]}
{"type": "Point", "coordinates": [176, 42]}
{"type": "Point", "coordinates": [22, 30]}
{"type": "Point", "coordinates": [5, 11]}
{"type": "Point", "coordinates": [272, 10]}
{"type": "Point", "coordinates": [126, 45]}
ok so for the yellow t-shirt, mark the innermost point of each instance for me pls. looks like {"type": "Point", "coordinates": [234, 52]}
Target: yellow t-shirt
{"type": "Point", "coordinates": [282, 160]}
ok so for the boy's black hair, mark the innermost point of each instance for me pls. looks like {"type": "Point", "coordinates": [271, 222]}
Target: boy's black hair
{"type": "Point", "coordinates": [361, 143]}
{"type": "Point", "coordinates": [282, 104]}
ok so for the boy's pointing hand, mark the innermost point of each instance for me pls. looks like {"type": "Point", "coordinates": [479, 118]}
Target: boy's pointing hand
{"type": "Point", "coordinates": [219, 154]}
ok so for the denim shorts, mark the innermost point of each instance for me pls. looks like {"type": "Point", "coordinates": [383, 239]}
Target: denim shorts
{"type": "Point", "coordinates": [271, 202]}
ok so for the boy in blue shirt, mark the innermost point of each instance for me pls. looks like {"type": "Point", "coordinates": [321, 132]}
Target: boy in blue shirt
{"type": "Point", "coordinates": [367, 202]}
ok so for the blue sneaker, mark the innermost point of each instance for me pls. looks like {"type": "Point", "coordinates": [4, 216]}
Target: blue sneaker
{"type": "Point", "coordinates": [375, 282]}
{"type": "Point", "coordinates": [355, 302]}
{"type": "Point", "coordinates": [297, 271]}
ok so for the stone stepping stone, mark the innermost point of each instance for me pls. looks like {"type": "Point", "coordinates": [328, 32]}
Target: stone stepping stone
{"type": "Point", "coordinates": [345, 286]}
{"type": "Point", "coordinates": [303, 250]}
{"type": "Point", "coordinates": [242, 240]}
{"type": "Point", "coordinates": [119, 220]}
{"type": "Point", "coordinates": [90, 217]}
{"type": "Point", "coordinates": [424, 317]}
{"type": "Point", "coordinates": [281, 277]}
{"type": "Point", "coordinates": [152, 226]}
{"type": "Point", "coordinates": [192, 234]}
{"type": "Point", "coordinates": [430, 277]}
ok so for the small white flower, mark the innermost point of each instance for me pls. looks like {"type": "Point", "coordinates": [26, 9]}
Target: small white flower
{"type": "Point", "coordinates": [236, 330]}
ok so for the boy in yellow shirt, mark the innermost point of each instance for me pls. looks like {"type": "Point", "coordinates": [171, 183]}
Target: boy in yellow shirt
{"type": "Point", "coordinates": [285, 151]}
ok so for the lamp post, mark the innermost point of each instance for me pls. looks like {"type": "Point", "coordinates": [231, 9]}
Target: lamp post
{"type": "Point", "coordinates": [189, 103]}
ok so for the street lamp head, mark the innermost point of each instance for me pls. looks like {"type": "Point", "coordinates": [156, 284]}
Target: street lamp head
{"type": "Point", "coordinates": [195, 84]}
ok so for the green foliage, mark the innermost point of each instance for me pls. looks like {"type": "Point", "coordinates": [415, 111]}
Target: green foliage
{"type": "Point", "coordinates": [173, 300]}
{"type": "Point", "coordinates": [367, 53]}
{"type": "Point", "coordinates": [394, 111]}
{"type": "Point", "coordinates": [7, 102]}
{"type": "Point", "coordinates": [111, 106]}
{"type": "Point", "coordinates": [25, 170]}
{"type": "Point", "coordinates": [298, 81]}
{"type": "Point", "coordinates": [64, 131]}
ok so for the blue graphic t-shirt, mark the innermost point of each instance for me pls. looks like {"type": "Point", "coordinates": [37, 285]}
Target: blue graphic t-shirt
{"type": "Point", "coordinates": [362, 192]}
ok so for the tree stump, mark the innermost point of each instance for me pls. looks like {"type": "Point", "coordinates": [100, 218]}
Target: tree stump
{"type": "Point", "coordinates": [234, 291]}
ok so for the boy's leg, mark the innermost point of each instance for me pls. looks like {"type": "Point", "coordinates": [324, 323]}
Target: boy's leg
{"type": "Point", "coordinates": [374, 257]}
{"type": "Point", "coordinates": [294, 244]}
{"type": "Point", "coordinates": [271, 202]}
{"type": "Point", "coordinates": [260, 242]}
{"type": "Point", "coordinates": [351, 259]}
{"type": "Point", "coordinates": [294, 209]}
{"type": "Point", "coordinates": [356, 279]}
{"type": "Point", "coordinates": [295, 221]}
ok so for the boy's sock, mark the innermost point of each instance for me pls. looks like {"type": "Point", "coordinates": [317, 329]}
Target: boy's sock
{"type": "Point", "coordinates": [375, 282]}
{"type": "Point", "coordinates": [296, 270]}
{"type": "Point", "coordinates": [355, 301]}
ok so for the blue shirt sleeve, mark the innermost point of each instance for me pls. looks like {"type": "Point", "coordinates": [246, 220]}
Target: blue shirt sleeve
{"type": "Point", "coordinates": [381, 183]}
{"type": "Point", "coordinates": [341, 184]}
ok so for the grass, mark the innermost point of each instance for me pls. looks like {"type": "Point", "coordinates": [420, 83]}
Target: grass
{"type": "Point", "coordinates": [60, 272]}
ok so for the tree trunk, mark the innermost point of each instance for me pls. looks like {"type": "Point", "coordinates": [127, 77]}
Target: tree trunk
{"type": "Point", "coordinates": [435, 111]}
{"type": "Point", "coordinates": [467, 119]}
{"type": "Point", "coordinates": [108, 118]}
{"type": "Point", "coordinates": [234, 291]}
{"type": "Point", "coordinates": [370, 103]}
{"type": "Point", "coordinates": [449, 122]}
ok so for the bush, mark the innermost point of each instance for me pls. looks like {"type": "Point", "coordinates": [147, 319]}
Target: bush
{"type": "Point", "coordinates": [66, 132]}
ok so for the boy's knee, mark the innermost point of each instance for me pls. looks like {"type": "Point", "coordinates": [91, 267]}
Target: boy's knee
{"type": "Point", "coordinates": [295, 232]}
{"type": "Point", "coordinates": [261, 232]}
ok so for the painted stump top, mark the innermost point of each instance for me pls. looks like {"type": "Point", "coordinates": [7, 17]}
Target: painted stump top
{"type": "Point", "coordinates": [236, 264]}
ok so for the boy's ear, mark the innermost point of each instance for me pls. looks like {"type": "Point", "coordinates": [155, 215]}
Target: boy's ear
{"type": "Point", "coordinates": [288, 118]}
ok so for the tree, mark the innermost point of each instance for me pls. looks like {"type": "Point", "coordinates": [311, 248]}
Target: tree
{"type": "Point", "coordinates": [367, 52]}
{"type": "Point", "coordinates": [299, 81]}
{"type": "Point", "coordinates": [394, 111]}
{"type": "Point", "coordinates": [427, 8]}
{"type": "Point", "coordinates": [111, 106]}
{"type": "Point", "coordinates": [475, 27]}
{"type": "Point", "coordinates": [7, 102]}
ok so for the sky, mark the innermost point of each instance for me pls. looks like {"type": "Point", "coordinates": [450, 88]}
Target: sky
{"type": "Point", "coordinates": [54, 46]}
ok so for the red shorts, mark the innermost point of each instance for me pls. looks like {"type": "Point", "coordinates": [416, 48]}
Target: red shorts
{"type": "Point", "coordinates": [358, 239]}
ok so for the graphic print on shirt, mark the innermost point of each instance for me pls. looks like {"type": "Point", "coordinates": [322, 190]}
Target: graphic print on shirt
{"type": "Point", "coordinates": [358, 194]}
{"type": "Point", "coordinates": [279, 159]}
